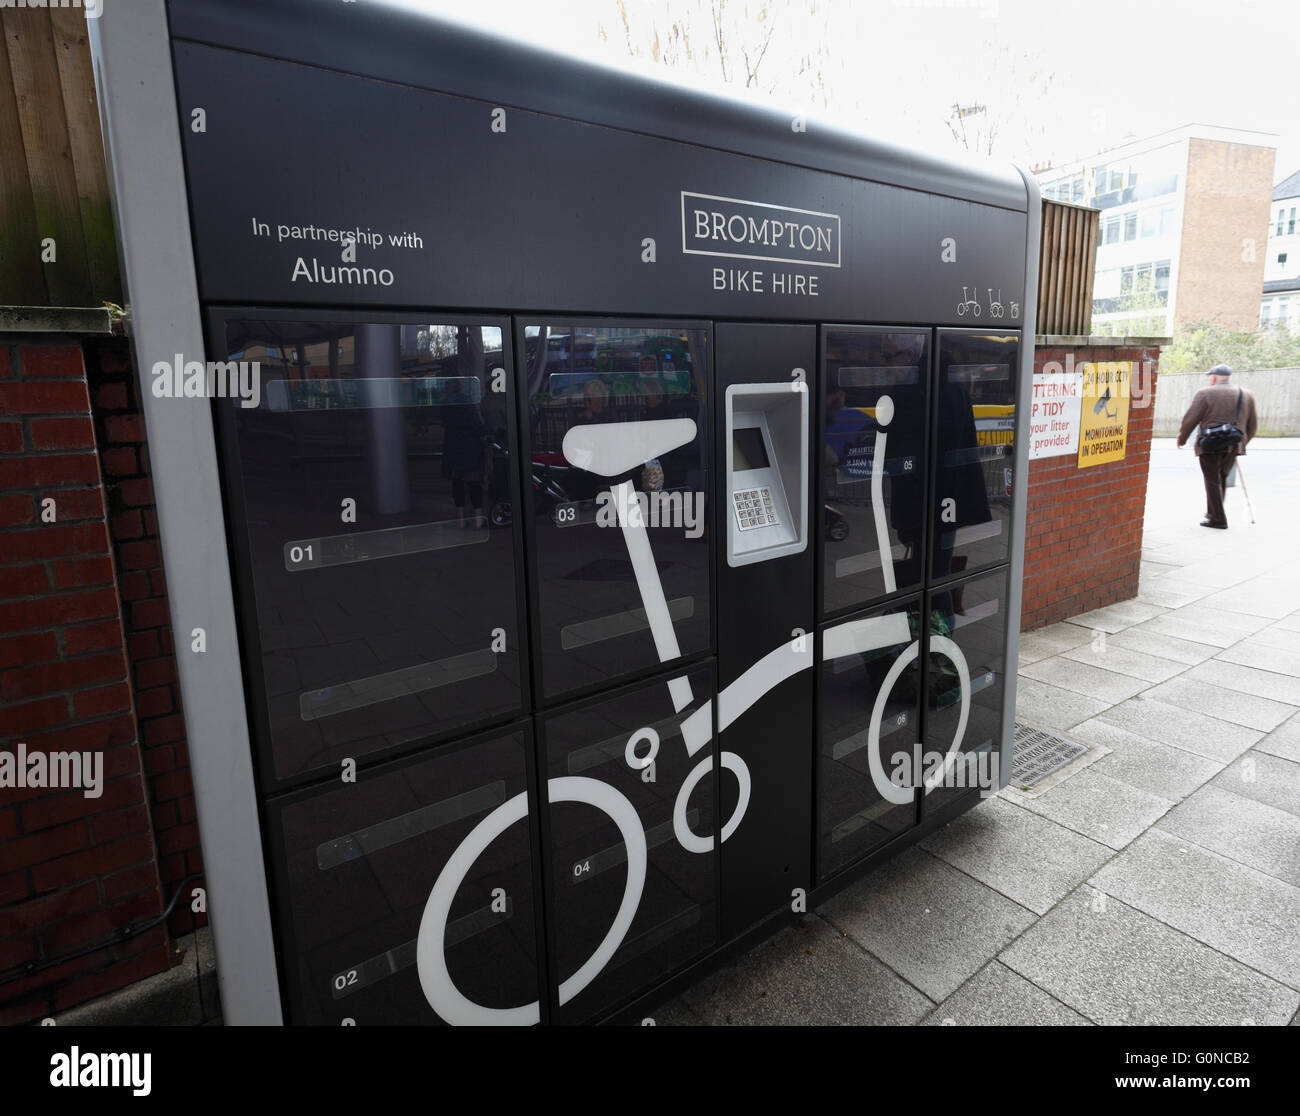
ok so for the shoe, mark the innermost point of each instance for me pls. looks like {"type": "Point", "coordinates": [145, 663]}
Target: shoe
{"type": "Point", "coordinates": [1216, 526]}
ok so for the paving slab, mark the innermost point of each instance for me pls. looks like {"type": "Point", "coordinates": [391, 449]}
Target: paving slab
{"type": "Point", "coordinates": [1052, 640]}
{"type": "Point", "coordinates": [1018, 853]}
{"type": "Point", "coordinates": [1162, 645]}
{"type": "Point", "coordinates": [1116, 617]}
{"type": "Point", "coordinates": [1249, 832]}
{"type": "Point", "coordinates": [1182, 728]}
{"type": "Point", "coordinates": [1221, 702]}
{"type": "Point", "coordinates": [1279, 639]}
{"type": "Point", "coordinates": [1247, 680]}
{"type": "Point", "coordinates": [1097, 806]}
{"type": "Point", "coordinates": [1244, 913]}
{"type": "Point", "coordinates": [1172, 592]}
{"type": "Point", "coordinates": [1228, 620]}
{"type": "Point", "coordinates": [1119, 966]}
{"type": "Point", "coordinates": [1090, 681]}
{"type": "Point", "coordinates": [1039, 703]}
{"type": "Point", "coordinates": [1283, 741]}
{"type": "Point", "coordinates": [1160, 769]}
{"type": "Point", "coordinates": [1272, 780]}
{"type": "Point", "coordinates": [809, 974]}
{"type": "Point", "coordinates": [998, 997]}
{"type": "Point", "coordinates": [1122, 660]}
{"type": "Point", "coordinates": [1231, 565]}
{"type": "Point", "coordinates": [1270, 600]}
{"type": "Point", "coordinates": [1171, 624]}
{"type": "Point", "coordinates": [930, 923]}
{"type": "Point", "coordinates": [1289, 623]}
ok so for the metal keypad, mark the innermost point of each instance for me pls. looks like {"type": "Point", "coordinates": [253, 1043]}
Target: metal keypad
{"type": "Point", "coordinates": [754, 508]}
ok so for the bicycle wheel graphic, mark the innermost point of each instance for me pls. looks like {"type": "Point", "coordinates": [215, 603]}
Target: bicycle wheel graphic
{"type": "Point", "coordinates": [430, 950]}
{"type": "Point", "coordinates": [888, 789]}
{"type": "Point", "coordinates": [686, 837]}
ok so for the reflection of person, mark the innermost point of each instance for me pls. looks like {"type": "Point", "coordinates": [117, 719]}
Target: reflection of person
{"type": "Point", "coordinates": [462, 453]}
{"type": "Point", "coordinates": [594, 396]}
{"type": "Point", "coordinates": [960, 496]}
{"type": "Point", "coordinates": [1220, 402]}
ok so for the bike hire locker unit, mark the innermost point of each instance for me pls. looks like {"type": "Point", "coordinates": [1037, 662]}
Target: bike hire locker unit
{"type": "Point", "coordinates": [625, 540]}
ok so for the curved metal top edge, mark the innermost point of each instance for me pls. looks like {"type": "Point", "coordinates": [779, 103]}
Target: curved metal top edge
{"type": "Point", "coordinates": [394, 44]}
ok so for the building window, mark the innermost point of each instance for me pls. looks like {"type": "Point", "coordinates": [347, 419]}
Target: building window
{"type": "Point", "coordinates": [1131, 226]}
{"type": "Point", "coordinates": [1112, 231]}
{"type": "Point", "coordinates": [1162, 275]}
{"type": "Point", "coordinates": [1281, 257]}
{"type": "Point", "coordinates": [1290, 225]}
{"type": "Point", "coordinates": [1279, 221]}
{"type": "Point", "coordinates": [1076, 189]}
{"type": "Point", "coordinates": [1167, 220]}
{"type": "Point", "coordinates": [1126, 281]}
{"type": "Point", "coordinates": [1283, 304]}
{"type": "Point", "coordinates": [1266, 312]}
{"type": "Point", "coordinates": [1142, 281]}
{"type": "Point", "coordinates": [1149, 219]}
{"type": "Point", "coordinates": [1117, 180]}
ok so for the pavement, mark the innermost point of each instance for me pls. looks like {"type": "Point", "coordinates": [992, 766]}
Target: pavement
{"type": "Point", "coordinates": [1156, 878]}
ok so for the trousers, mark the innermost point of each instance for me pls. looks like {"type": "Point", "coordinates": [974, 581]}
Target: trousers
{"type": "Point", "coordinates": [1215, 468]}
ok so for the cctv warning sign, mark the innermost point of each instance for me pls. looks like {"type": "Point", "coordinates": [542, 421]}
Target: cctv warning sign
{"type": "Point", "coordinates": [1103, 429]}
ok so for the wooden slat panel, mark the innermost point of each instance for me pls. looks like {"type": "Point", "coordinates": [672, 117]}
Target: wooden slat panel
{"type": "Point", "coordinates": [21, 280]}
{"type": "Point", "coordinates": [77, 82]}
{"type": "Point", "coordinates": [29, 39]}
{"type": "Point", "coordinates": [1065, 268]}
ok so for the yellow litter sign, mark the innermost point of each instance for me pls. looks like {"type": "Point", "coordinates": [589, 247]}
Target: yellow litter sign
{"type": "Point", "coordinates": [1103, 433]}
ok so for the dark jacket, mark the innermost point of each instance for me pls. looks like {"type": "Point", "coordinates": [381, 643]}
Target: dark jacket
{"type": "Point", "coordinates": [1219, 403]}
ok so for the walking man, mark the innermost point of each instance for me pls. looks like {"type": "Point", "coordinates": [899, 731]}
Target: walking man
{"type": "Point", "coordinates": [1212, 407]}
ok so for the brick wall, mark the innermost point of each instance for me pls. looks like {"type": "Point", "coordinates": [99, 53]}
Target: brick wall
{"type": "Point", "coordinates": [72, 869]}
{"type": "Point", "coordinates": [133, 525]}
{"type": "Point", "coordinates": [1084, 526]}
{"type": "Point", "coordinates": [1225, 233]}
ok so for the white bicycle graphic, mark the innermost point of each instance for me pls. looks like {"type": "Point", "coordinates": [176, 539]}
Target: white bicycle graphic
{"type": "Point", "coordinates": [610, 450]}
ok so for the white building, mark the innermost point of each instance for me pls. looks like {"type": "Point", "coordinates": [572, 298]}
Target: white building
{"type": "Point", "coordinates": [1280, 304]}
{"type": "Point", "coordinates": [1176, 210]}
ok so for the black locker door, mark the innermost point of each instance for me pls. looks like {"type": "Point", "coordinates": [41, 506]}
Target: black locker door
{"type": "Point", "coordinates": [873, 462]}
{"type": "Point", "coordinates": [616, 416]}
{"type": "Point", "coordinates": [630, 843]}
{"type": "Point", "coordinates": [974, 451]}
{"type": "Point", "coordinates": [965, 686]}
{"type": "Point", "coordinates": [870, 731]}
{"type": "Point", "coordinates": [371, 494]}
{"type": "Point", "coordinates": [407, 897]}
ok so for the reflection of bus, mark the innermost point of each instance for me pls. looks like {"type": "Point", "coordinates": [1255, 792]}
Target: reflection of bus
{"type": "Point", "coordinates": [995, 425]}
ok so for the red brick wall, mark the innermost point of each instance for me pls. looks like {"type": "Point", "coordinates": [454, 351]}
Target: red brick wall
{"type": "Point", "coordinates": [1084, 526]}
{"type": "Point", "coordinates": [133, 524]}
{"type": "Point", "coordinates": [72, 869]}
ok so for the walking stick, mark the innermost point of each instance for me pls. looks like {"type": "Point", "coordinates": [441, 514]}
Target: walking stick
{"type": "Point", "coordinates": [1241, 476]}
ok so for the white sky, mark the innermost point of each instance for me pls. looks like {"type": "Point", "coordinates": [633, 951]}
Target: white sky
{"type": "Point", "coordinates": [893, 68]}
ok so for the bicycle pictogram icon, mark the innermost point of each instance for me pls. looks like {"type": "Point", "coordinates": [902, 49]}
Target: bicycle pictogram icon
{"type": "Point", "coordinates": [600, 448]}
{"type": "Point", "coordinates": [968, 304]}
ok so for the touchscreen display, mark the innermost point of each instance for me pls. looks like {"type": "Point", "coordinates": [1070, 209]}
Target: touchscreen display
{"type": "Point", "coordinates": [747, 449]}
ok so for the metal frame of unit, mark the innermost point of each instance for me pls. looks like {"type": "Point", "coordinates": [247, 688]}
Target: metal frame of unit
{"type": "Point", "coordinates": [132, 51]}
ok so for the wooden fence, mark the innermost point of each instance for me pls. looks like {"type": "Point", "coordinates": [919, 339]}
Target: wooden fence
{"type": "Point", "coordinates": [57, 244]}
